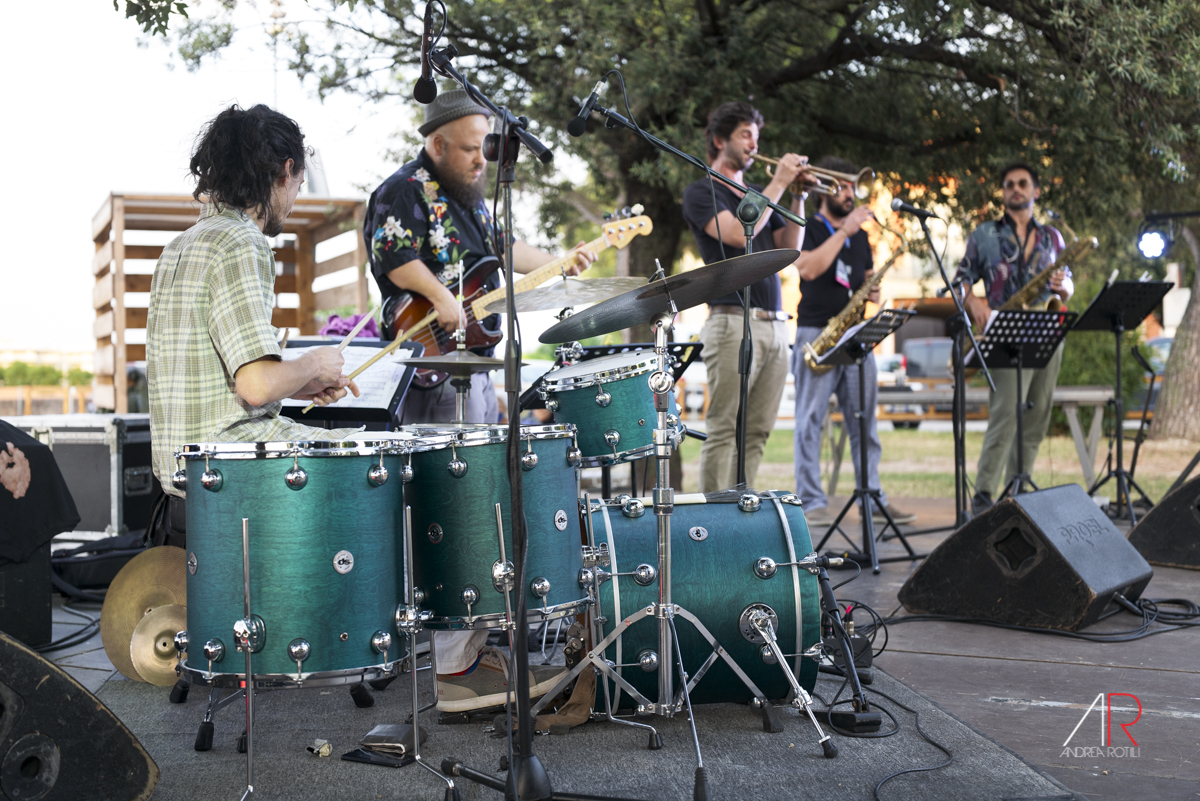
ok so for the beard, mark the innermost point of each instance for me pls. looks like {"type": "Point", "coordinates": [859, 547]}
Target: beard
{"type": "Point", "coordinates": [273, 222]}
{"type": "Point", "coordinates": [461, 188]}
{"type": "Point", "coordinates": [838, 210]}
{"type": "Point", "coordinates": [736, 159]}
{"type": "Point", "coordinates": [1015, 205]}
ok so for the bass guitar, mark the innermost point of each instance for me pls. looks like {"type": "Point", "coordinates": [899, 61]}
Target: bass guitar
{"type": "Point", "coordinates": [411, 316]}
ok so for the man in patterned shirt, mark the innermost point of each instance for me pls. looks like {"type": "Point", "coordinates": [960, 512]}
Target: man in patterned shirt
{"type": "Point", "coordinates": [1005, 254]}
{"type": "Point", "coordinates": [422, 221]}
{"type": "Point", "coordinates": [212, 361]}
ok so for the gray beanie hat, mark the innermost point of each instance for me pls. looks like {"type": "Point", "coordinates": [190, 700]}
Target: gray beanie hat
{"type": "Point", "coordinates": [447, 107]}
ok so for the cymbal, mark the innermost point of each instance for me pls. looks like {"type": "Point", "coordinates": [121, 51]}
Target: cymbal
{"type": "Point", "coordinates": [155, 577]}
{"type": "Point", "coordinates": [689, 289]}
{"type": "Point", "coordinates": [152, 647]}
{"type": "Point", "coordinates": [569, 292]}
{"type": "Point", "coordinates": [460, 363]}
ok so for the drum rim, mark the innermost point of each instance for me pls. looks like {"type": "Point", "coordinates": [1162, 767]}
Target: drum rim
{"type": "Point", "coordinates": [435, 438]}
{"type": "Point", "coordinates": [289, 449]}
{"type": "Point", "coordinates": [648, 362]}
{"type": "Point", "coordinates": [323, 678]}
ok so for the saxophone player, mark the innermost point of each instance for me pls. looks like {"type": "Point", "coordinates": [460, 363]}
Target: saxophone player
{"type": "Point", "coordinates": [835, 260]}
{"type": "Point", "coordinates": [1005, 254]}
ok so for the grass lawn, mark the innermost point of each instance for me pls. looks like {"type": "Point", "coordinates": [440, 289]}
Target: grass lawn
{"type": "Point", "coordinates": [920, 464]}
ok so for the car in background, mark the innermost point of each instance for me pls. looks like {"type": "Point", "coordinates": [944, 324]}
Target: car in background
{"type": "Point", "coordinates": [928, 357]}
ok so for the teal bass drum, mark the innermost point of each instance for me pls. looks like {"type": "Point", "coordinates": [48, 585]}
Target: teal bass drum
{"type": "Point", "coordinates": [714, 547]}
{"type": "Point", "coordinates": [325, 566]}
{"type": "Point", "coordinates": [459, 475]}
{"type": "Point", "coordinates": [610, 402]}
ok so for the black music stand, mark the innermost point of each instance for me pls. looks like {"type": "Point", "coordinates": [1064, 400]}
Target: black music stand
{"type": "Point", "coordinates": [1017, 339]}
{"type": "Point", "coordinates": [1115, 303]}
{"type": "Point", "coordinates": [379, 407]}
{"type": "Point", "coordinates": [855, 348]}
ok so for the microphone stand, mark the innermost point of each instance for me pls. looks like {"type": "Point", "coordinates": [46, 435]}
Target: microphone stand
{"type": "Point", "coordinates": [527, 777]}
{"type": "Point", "coordinates": [753, 205]}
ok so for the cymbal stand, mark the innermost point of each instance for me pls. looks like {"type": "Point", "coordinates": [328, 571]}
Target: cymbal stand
{"type": "Point", "coordinates": [461, 384]}
{"type": "Point", "coordinates": [410, 619]}
{"type": "Point", "coordinates": [249, 636]}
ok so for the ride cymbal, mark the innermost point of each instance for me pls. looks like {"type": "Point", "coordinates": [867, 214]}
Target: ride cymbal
{"type": "Point", "coordinates": [702, 285]}
{"type": "Point", "coordinates": [152, 647]}
{"type": "Point", "coordinates": [569, 292]}
{"type": "Point", "coordinates": [155, 577]}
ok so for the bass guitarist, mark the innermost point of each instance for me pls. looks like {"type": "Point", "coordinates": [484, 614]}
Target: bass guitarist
{"type": "Point", "coordinates": [428, 217]}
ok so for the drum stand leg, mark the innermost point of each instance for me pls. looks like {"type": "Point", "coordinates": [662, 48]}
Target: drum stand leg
{"type": "Point", "coordinates": [409, 620]}
{"type": "Point", "coordinates": [760, 619]}
{"type": "Point", "coordinates": [249, 637]}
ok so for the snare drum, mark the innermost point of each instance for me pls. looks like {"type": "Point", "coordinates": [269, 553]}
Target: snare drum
{"type": "Point", "coordinates": [609, 401]}
{"type": "Point", "coordinates": [459, 475]}
{"type": "Point", "coordinates": [714, 550]}
{"type": "Point", "coordinates": [324, 562]}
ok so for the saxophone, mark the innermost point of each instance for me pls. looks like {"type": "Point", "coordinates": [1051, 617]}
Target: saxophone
{"type": "Point", "coordinates": [850, 315]}
{"type": "Point", "coordinates": [1072, 254]}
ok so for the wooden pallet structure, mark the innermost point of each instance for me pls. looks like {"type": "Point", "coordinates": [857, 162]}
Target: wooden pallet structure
{"type": "Point", "coordinates": [313, 220]}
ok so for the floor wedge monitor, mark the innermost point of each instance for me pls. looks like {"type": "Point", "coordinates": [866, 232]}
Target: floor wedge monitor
{"type": "Point", "coordinates": [1169, 534]}
{"type": "Point", "coordinates": [1045, 559]}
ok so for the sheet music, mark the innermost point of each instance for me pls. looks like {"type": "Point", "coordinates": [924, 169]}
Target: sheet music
{"type": "Point", "coordinates": [377, 384]}
{"type": "Point", "coordinates": [851, 331]}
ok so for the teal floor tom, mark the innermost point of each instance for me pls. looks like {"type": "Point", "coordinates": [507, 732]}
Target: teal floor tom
{"type": "Point", "coordinates": [325, 568]}
{"type": "Point", "coordinates": [609, 401]}
{"type": "Point", "coordinates": [459, 475]}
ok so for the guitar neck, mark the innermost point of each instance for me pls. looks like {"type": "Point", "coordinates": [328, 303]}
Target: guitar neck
{"type": "Point", "coordinates": [537, 277]}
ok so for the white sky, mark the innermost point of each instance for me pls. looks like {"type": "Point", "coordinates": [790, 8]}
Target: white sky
{"type": "Point", "coordinates": [90, 112]}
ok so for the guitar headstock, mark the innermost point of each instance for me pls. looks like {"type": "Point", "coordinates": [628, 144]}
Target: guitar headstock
{"type": "Point", "coordinates": [621, 227]}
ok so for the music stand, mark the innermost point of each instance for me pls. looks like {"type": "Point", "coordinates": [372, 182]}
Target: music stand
{"type": "Point", "coordinates": [1017, 339]}
{"type": "Point", "coordinates": [384, 385]}
{"type": "Point", "coordinates": [855, 348]}
{"type": "Point", "coordinates": [1115, 303]}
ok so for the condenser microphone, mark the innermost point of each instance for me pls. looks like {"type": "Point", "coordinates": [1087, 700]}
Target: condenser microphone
{"type": "Point", "coordinates": [578, 125]}
{"type": "Point", "coordinates": [425, 89]}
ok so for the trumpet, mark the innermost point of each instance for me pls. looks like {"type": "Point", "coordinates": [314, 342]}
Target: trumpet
{"type": "Point", "coordinates": [827, 182]}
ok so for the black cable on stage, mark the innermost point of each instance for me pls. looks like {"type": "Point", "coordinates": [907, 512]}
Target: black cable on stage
{"type": "Point", "coordinates": [74, 638]}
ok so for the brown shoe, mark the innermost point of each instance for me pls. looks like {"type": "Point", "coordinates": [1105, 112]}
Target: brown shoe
{"type": "Point", "coordinates": [898, 516]}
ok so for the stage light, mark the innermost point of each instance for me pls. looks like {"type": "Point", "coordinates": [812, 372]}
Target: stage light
{"type": "Point", "coordinates": [1153, 244]}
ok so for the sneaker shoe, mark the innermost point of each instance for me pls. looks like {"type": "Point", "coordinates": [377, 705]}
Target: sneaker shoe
{"type": "Point", "coordinates": [900, 517]}
{"type": "Point", "coordinates": [818, 517]}
{"type": "Point", "coordinates": [981, 503]}
{"type": "Point", "coordinates": [487, 685]}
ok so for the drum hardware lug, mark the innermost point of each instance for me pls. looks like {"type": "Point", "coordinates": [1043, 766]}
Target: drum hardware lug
{"type": "Point", "coordinates": [540, 587]}
{"type": "Point", "coordinates": [457, 467]}
{"type": "Point", "coordinates": [749, 502]}
{"type": "Point", "coordinates": [586, 574]}
{"type": "Point", "coordinates": [298, 651]}
{"type": "Point", "coordinates": [765, 567]}
{"type": "Point", "coordinates": [551, 403]}
{"type": "Point", "coordinates": [179, 477]}
{"type": "Point", "coordinates": [381, 643]}
{"type": "Point", "coordinates": [529, 459]}
{"type": "Point", "coordinates": [297, 477]}
{"type": "Point", "coordinates": [574, 455]}
{"type": "Point", "coordinates": [502, 575]}
{"type": "Point", "coordinates": [250, 634]}
{"type": "Point", "coordinates": [672, 421]}
{"type": "Point", "coordinates": [377, 474]}
{"type": "Point", "coordinates": [612, 438]}
{"type": "Point", "coordinates": [406, 472]}
{"type": "Point", "coordinates": [644, 574]}
{"type": "Point", "coordinates": [767, 655]}
{"type": "Point", "coordinates": [214, 651]}
{"type": "Point", "coordinates": [211, 479]}
{"type": "Point", "coordinates": [603, 399]}
{"type": "Point", "coordinates": [633, 508]}
{"type": "Point", "coordinates": [181, 645]}
{"type": "Point", "coordinates": [470, 597]}
{"type": "Point", "coordinates": [648, 661]}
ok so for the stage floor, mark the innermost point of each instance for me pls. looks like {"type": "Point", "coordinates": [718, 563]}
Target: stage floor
{"type": "Point", "coordinates": [1008, 694]}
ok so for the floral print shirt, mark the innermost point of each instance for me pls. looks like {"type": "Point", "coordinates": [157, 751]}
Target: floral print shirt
{"type": "Point", "coordinates": [409, 217]}
{"type": "Point", "coordinates": [996, 257]}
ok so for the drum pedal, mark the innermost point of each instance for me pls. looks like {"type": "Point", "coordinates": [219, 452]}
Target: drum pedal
{"type": "Point", "coordinates": [179, 692]}
{"type": "Point", "coordinates": [772, 722]}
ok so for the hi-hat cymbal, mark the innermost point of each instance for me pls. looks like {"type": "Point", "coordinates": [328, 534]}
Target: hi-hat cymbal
{"type": "Point", "coordinates": [689, 289]}
{"type": "Point", "coordinates": [155, 577]}
{"type": "Point", "coordinates": [460, 363]}
{"type": "Point", "coordinates": [569, 292]}
{"type": "Point", "coordinates": [152, 647]}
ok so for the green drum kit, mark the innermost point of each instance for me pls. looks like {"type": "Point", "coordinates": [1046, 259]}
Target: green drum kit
{"type": "Point", "coordinates": [313, 559]}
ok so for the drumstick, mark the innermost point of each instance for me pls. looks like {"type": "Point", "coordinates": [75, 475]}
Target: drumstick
{"type": "Point", "coordinates": [354, 331]}
{"type": "Point", "coordinates": [385, 351]}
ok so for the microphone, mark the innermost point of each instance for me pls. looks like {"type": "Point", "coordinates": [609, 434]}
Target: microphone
{"type": "Point", "coordinates": [900, 205]}
{"type": "Point", "coordinates": [578, 125]}
{"type": "Point", "coordinates": [425, 90]}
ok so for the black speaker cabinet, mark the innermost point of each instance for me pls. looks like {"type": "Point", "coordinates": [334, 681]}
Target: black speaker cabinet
{"type": "Point", "coordinates": [1169, 534]}
{"type": "Point", "coordinates": [1046, 559]}
{"type": "Point", "coordinates": [58, 742]}
{"type": "Point", "coordinates": [25, 602]}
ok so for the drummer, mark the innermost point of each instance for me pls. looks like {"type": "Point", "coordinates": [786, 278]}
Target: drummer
{"type": "Point", "coordinates": [213, 362]}
{"type": "Point", "coordinates": [425, 218]}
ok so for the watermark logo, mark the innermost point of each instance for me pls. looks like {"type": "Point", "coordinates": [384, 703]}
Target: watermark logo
{"type": "Point", "coordinates": [1106, 748]}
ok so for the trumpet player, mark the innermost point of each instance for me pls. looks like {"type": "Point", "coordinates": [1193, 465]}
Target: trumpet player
{"type": "Point", "coordinates": [732, 140]}
{"type": "Point", "coordinates": [835, 260]}
{"type": "Point", "coordinates": [1005, 254]}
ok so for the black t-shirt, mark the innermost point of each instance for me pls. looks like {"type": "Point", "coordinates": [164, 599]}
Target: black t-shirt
{"type": "Point", "coordinates": [826, 295]}
{"type": "Point", "coordinates": [698, 210]}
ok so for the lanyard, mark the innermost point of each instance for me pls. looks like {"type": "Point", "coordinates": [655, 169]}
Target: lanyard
{"type": "Point", "coordinates": [829, 226]}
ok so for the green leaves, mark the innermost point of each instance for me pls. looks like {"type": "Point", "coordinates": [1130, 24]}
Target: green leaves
{"type": "Point", "coordinates": [153, 15]}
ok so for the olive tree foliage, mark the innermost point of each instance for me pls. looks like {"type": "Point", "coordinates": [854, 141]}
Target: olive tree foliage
{"type": "Point", "coordinates": [153, 15]}
{"type": "Point", "coordinates": [936, 95]}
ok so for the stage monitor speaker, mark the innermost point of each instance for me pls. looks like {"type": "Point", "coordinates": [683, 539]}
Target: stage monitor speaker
{"type": "Point", "coordinates": [1046, 559]}
{"type": "Point", "coordinates": [1169, 534]}
{"type": "Point", "coordinates": [58, 742]}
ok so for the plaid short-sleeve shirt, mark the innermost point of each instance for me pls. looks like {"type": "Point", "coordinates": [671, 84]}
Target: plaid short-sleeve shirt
{"type": "Point", "coordinates": [210, 313]}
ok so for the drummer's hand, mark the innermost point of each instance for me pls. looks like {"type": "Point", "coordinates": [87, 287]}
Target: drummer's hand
{"type": "Point", "coordinates": [855, 219]}
{"type": "Point", "coordinates": [323, 395]}
{"type": "Point", "coordinates": [325, 365]}
{"type": "Point", "coordinates": [446, 305]}
{"type": "Point", "coordinates": [583, 259]}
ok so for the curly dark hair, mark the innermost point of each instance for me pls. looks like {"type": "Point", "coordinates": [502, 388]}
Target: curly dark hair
{"type": "Point", "coordinates": [241, 152]}
{"type": "Point", "coordinates": [1020, 165]}
{"type": "Point", "coordinates": [725, 119]}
